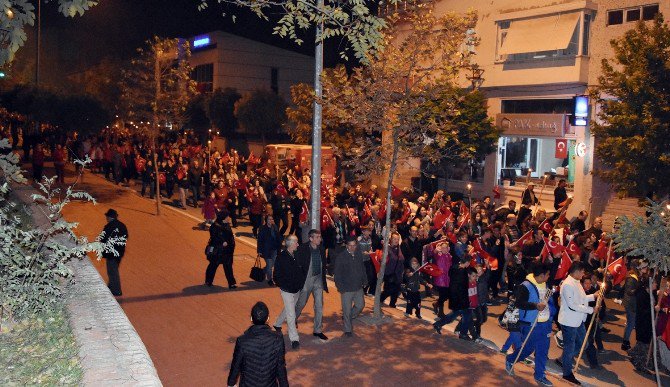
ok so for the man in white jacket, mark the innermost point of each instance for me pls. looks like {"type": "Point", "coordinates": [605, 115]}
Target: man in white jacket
{"type": "Point", "coordinates": [574, 308]}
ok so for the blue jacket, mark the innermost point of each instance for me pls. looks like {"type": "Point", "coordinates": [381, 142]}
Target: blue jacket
{"type": "Point", "coordinates": [527, 298]}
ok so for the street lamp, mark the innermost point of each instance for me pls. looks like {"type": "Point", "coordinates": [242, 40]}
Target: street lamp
{"type": "Point", "coordinates": [470, 195]}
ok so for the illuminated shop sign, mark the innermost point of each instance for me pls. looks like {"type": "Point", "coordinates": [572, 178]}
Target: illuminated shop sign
{"type": "Point", "coordinates": [201, 41]}
{"type": "Point", "coordinates": [580, 110]}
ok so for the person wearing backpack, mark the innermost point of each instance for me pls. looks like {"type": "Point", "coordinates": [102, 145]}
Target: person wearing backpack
{"type": "Point", "coordinates": [535, 321]}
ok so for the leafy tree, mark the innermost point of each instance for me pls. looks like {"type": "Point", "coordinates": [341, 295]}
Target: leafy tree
{"type": "Point", "coordinates": [353, 20]}
{"type": "Point", "coordinates": [16, 14]}
{"type": "Point", "coordinates": [157, 87]}
{"type": "Point", "coordinates": [221, 110]}
{"type": "Point", "coordinates": [647, 238]}
{"type": "Point", "coordinates": [261, 112]}
{"type": "Point", "coordinates": [81, 113]}
{"type": "Point", "coordinates": [408, 97]}
{"type": "Point", "coordinates": [101, 82]}
{"type": "Point", "coordinates": [634, 119]}
{"type": "Point", "coordinates": [33, 263]}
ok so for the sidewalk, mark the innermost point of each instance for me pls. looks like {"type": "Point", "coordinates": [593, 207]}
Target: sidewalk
{"type": "Point", "coordinates": [190, 330]}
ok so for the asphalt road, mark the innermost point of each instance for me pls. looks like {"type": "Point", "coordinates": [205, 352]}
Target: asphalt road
{"type": "Point", "coordinates": [189, 329]}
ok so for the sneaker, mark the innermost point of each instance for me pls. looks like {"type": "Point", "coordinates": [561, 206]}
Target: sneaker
{"type": "Point", "coordinates": [320, 335]}
{"type": "Point", "coordinates": [544, 381]}
{"type": "Point", "coordinates": [618, 301]}
{"type": "Point", "coordinates": [407, 314]}
{"type": "Point", "coordinates": [571, 378]}
{"type": "Point", "coordinates": [437, 328]}
{"type": "Point", "coordinates": [489, 303]}
{"type": "Point", "coordinates": [271, 283]}
{"type": "Point", "coordinates": [348, 334]}
{"type": "Point", "coordinates": [295, 344]}
{"type": "Point", "coordinates": [559, 339]}
{"type": "Point", "coordinates": [465, 337]}
{"type": "Point", "coordinates": [528, 361]}
{"type": "Point", "coordinates": [418, 316]}
{"type": "Point", "coordinates": [508, 368]}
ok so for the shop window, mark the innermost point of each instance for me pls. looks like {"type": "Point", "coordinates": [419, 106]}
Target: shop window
{"type": "Point", "coordinates": [537, 106]}
{"type": "Point", "coordinates": [615, 17]}
{"type": "Point", "coordinates": [649, 12]}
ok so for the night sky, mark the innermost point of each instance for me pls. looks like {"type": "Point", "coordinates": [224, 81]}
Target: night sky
{"type": "Point", "coordinates": [115, 28]}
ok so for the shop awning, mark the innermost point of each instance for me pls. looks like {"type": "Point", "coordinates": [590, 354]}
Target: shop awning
{"type": "Point", "coordinates": [540, 34]}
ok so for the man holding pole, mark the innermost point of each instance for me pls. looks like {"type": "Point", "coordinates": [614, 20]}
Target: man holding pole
{"type": "Point", "coordinates": [535, 319]}
{"type": "Point", "coordinates": [574, 309]}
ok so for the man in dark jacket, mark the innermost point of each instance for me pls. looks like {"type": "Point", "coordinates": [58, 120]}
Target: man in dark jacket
{"type": "Point", "coordinates": [269, 242]}
{"type": "Point", "coordinates": [312, 256]}
{"type": "Point", "coordinates": [350, 278]}
{"type": "Point", "coordinates": [117, 230]}
{"type": "Point", "coordinates": [259, 357]}
{"type": "Point", "coordinates": [195, 181]}
{"type": "Point", "coordinates": [289, 275]}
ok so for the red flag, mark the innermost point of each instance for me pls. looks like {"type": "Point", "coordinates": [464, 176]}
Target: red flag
{"type": "Point", "coordinates": [249, 193]}
{"type": "Point", "coordinates": [381, 214]}
{"type": "Point", "coordinates": [353, 218]}
{"type": "Point", "coordinates": [546, 226]}
{"type": "Point", "coordinates": [304, 214]}
{"type": "Point", "coordinates": [281, 190]}
{"type": "Point", "coordinates": [442, 217]}
{"type": "Point", "coordinates": [367, 213]}
{"type": "Point", "coordinates": [252, 159]}
{"type": "Point", "coordinates": [496, 192]}
{"type": "Point", "coordinates": [431, 269]}
{"type": "Point", "coordinates": [477, 244]}
{"type": "Point", "coordinates": [544, 253]}
{"type": "Point", "coordinates": [376, 259]}
{"type": "Point", "coordinates": [572, 248]}
{"type": "Point", "coordinates": [562, 218]}
{"type": "Point", "coordinates": [563, 267]}
{"type": "Point", "coordinates": [325, 219]}
{"type": "Point", "coordinates": [601, 251]}
{"type": "Point", "coordinates": [452, 237]}
{"type": "Point", "coordinates": [553, 247]}
{"type": "Point", "coordinates": [618, 271]}
{"type": "Point", "coordinates": [405, 215]}
{"type": "Point", "coordinates": [525, 237]}
{"type": "Point", "coordinates": [463, 209]}
{"type": "Point", "coordinates": [395, 191]}
{"type": "Point", "coordinates": [465, 219]}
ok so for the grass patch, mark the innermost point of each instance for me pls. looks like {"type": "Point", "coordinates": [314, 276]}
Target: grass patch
{"type": "Point", "coordinates": [40, 350]}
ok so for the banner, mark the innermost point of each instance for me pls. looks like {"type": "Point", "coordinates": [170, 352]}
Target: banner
{"type": "Point", "coordinates": [561, 148]}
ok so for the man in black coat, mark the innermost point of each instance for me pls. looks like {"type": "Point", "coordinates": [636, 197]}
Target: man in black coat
{"type": "Point", "coordinates": [289, 275]}
{"type": "Point", "coordinates": [117, 230]}
{"type": "Point", "coordinates": [259, 357]}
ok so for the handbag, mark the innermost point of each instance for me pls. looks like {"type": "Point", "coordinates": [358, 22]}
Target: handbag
{"type": "Point", "coordinates": [257, 273]}
{"type": "Point", "coordinates": [209, 251]}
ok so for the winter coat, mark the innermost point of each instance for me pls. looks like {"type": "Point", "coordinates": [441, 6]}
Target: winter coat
{"type": "Point", "coordinates": [289, 272]}
{"type": "Point", "coordinates": [443, 261]}
{"type": "Point", "coordinates": [458, 295]}
{"type": "Point", "coordinates": [258, 359]}
{"type": "Point", "coordinates": [349, 272]}
{"type": "Point", "coordinates": [269, 240]}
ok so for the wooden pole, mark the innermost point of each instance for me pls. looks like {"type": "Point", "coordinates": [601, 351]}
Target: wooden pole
{"type": "Point", "coordinates": [601, 294]}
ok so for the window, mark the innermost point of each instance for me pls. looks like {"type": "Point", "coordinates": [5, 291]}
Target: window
{"type": "Point", "coordinates": [203, 75]}
{"type": "Point", "coordinates": [537, 106]}
{"type": "Point", "coordinates": [585, 37]}
{"type": "Point", "coordinates": [633, 15]}
{"type": "Point", "coordinates": [649, 12]}
{"type": "Point", "coordinates": [614, 17]}
{"type": "Point", "coordinates": [274, 80]}
{"type": "Point", "coordinates": [526, 39]}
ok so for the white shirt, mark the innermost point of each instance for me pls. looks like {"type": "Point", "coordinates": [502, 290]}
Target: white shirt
{"type": "Point", "coordinates": [574, 303]}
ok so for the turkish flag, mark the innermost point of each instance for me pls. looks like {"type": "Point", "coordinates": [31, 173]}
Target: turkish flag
{"type": "Point", "coordinates": [563, 267]}
{"type": "Point", "coordinates": [463, 209]}
{"type": "Point", "coordinates": [477, 244]}
{"type": "Point", "coordinates": [546, 226]}
{"type": "Point", "coordinates": [367, 213]}
{"type": "Point", "coordinates": [376, 258]}
{"type": "Point", "coordinates": [561, 148]}
{"type": "Point", "coordinates": [572, 248]}
{"type": "Point", "coordinates": [525, 237]}
{"type": "Point", "coordinates": [325, 219]}
{"type": "Point", "coordinates": [618, 271]}
{"type": "Point", "coordinates": [431, 269]}
{"type": "Point", "coordinates": [304, 214]}
{"type": "Point", "coordinates": [553, 247]}
{"type": "Point", "coordinates": [441, 218]}
{"type": "Point", "coordinates": [601, 250]}
{"type": "Point", "coordinates": [496, 192]}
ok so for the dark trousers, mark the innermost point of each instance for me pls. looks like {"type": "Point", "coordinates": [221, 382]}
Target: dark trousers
{"type": "Point", "coordinates": [413, 303]}
{"type": "Point", "coordinates": [391, 289]}
{"type": "Point", "coordinates": [372, 277]}
{"type": "Point", "coordinates": [256, 220]}
{"type": "Point", "coordinates": [295, 225]}
{"type": "Point", "coordinates": [227, 269]}
{"type": "Point", "coordinates": [442, 297]}
{"type": "Point", "coordinates": [114, 283]}
{"type": "Point", "coordinates": [107, 169]}
{"type": "Point", "coordinates": [494, 279]}
{"type": "Point", "coordinates": [60, 173]}
{"type": "Point", "coordinates": [281, 217]}
{"type": "Point", "coordinates": [145, 185]}
{"type": "Point", "coordinates": [195, 189]}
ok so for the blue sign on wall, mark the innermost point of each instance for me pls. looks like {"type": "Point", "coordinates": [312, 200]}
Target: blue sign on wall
{"type": "Point", "coordinates": [201, 41]}
{"type": "Point", "coordinates": [580, 111]}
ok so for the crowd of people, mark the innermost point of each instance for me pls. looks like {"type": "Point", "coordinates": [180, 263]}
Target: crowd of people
{"type": "Point", "coordinates": [468, 252]}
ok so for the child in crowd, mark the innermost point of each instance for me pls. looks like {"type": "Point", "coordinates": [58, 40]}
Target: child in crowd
{"type": "Point", "coordinates": [209, 210]}
{"type": "Point", "coordinates": [413, 282]}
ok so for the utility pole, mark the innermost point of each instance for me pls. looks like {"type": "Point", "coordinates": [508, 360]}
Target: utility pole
{"type": "Point", "coordinates": [39, 43]}
{"type": "Point", "coordinates": [154, 132]}
{"type": "Point", "coordinates": [315, 196]}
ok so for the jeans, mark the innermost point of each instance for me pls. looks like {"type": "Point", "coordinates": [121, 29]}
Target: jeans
{"type": "Point", "coordinates": [270, 264]}
{"type": "Point", "coordinates": [350, 312]}
{"type": "Point", "coordinates": [313, 285]}
{"type": "Point", "coordinates": [630, 323]}
{"type": "Point", "coordinates": [573, 337]}
{"type": "Point", "coordinates": [538, 342]}
{"type": "Point", "coordinates": [182, 197]}
{"type": "Point", "coordinates": [114, 284]}
{"type": "Point", "coordinates": [513, 340]}
{"type": "Point", "coordinates": [195, 189]}
{"type": "Point", "coordinates": [288, 314]}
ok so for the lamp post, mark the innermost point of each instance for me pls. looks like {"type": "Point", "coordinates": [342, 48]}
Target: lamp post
{"type": "Point", "coordinates": [315, 194]}
{"type": "Point", "coordinates": [470, 195]}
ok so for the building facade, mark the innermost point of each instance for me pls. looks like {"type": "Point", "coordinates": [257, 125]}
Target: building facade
{"type": "Point", "coordinates": [221, 60]}
{"type": "Point", "coordinates": [536, 56]}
